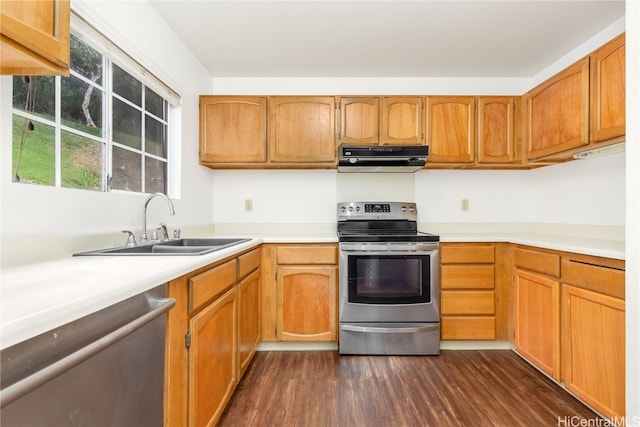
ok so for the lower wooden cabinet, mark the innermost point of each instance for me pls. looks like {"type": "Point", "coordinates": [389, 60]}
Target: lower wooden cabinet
{"type": "Point", "coordinates": [467, 296]}
{"type": "Point", "coordinates": [537, 321]}
{"type": "Point", "coordinates": [212, 335]}
{"type": "Point", "coordinates": [594, 349]}
{"type": "Point", "coordinates": [213, 361]}
{"type": "Point", "coordinates": [300, 292]}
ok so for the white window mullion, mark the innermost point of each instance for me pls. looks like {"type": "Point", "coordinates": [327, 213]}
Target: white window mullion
{"type": "Point", "coordinates": [58, 132]}
{"type": "Point", "coordinates": [107, 126]}
{"type": "Point", "coordinates": [144, 139]}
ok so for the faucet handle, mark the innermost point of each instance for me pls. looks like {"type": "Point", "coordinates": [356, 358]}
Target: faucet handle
{"type": "Point", "coordinates": [131, 239]}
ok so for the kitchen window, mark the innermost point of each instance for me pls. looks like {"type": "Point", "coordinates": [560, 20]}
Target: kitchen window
{"type": "Point", "coordinates": [104, 127]}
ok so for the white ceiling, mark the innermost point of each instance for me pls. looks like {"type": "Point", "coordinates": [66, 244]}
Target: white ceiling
{"type": "Point", "coordinates": [392, 38]}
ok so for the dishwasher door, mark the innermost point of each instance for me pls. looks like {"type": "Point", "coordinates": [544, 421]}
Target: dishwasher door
{"type": "Point", "coordinates": [105, 369]}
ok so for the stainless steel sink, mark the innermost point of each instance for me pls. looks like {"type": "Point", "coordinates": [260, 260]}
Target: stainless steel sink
{"type": "Point", "coordinates": [187, 246]}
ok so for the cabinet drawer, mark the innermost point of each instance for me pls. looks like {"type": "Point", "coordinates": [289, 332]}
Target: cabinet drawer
{"type": "Point", "coordinates": [467, 277]}
{"type": "Point", "coordinates": [304, 255]}
{"type": "Point", "coordinates": [599, 278]}
{"type": "Point", "coordinates": [213, 282]}
{"type": "Point", "coordinates": [248, 262]}
{"type": "Point", "coordinates": [467, 302]}
{"type": "Point", "coordinates": [452, 253]}
{"type": "Point", "coordinates": [468, 328]}
{"type": "Point", "coordinates": [542, 262]}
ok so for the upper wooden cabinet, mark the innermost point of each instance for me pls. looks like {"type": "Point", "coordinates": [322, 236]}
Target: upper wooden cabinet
{"type": "Point", "coordinates": [451, 129]}
{"type": "Point", "coordinates": [608, 91]}
{"type": "Point", "coordinates": [359, 121]}
{"type": "Point", "coordinates": [302, 129]}
{"type": "Point", "coordinates": [496, 129]}
{"type": "Point", "coordinates": [402, 120]}
{"type": "Point", "coordinates": [233, 129]}
{"type": "Point", "coordinates": [558, 112]}
{"type": "Point", "coordinates": [34, 37]}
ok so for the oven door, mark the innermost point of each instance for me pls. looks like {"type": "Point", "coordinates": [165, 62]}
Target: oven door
{"type": "Point", "coordinates": [383, 282]}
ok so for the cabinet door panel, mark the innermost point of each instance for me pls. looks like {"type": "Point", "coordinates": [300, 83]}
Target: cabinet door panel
{"type": "Point", "coordinates": [35, 37]}
{"type": "Point", "coordinates": [306, 308]}
{"type": "Point", "coordinates": [402, 122]}
{"type": "Point", "coordinates": [212, 360]}
{"type": "Point", "coordinates": [451, 129]}
{"type": "Point", "coordinates": [594, 349]}
{"type": "Point", "coordinates": [608, 91]}
{"type": "Point", "coordinates": [359, 121]}
{"type": "Point", "coordinates": [248, 318]}
{"type": "Point", "coordinates": [233, 129]}
{"type": "Point", "coordinates": [537, 321]}
{"type": "Point", "coordinates": [496, 130]}
{"type": "Point", "coordinates": [558, 112]}
{"type": "Point", "coordinates": [302, 129]}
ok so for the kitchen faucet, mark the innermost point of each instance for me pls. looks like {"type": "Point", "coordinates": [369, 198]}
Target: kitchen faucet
{"type": "Point", "coordinates": [143, 236]}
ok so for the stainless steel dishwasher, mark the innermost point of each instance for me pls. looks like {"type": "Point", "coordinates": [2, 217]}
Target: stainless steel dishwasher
{"type": "Point", "coordinates": [105, 369]}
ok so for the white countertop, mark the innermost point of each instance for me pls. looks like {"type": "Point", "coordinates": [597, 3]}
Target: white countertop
{"type": "Point", "coordinates": [36, 298]}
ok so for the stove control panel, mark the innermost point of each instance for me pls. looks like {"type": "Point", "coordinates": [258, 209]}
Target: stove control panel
{"type": "Point", "coordinates": [377, 210]}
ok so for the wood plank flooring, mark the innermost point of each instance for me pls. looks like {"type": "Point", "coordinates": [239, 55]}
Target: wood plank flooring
{"type": "Point", "coordinates": [457, 388]}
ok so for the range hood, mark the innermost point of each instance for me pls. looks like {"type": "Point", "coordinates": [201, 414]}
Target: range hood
{"type": "Point", "coordinates": [401, 158]}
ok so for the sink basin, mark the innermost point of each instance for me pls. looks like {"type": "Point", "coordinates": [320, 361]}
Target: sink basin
{"type": "Point", "coordinates": [188, 246]}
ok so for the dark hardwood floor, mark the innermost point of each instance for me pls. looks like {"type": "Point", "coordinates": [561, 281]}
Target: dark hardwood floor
{"type": "Point", "coordinates": [457, 388]}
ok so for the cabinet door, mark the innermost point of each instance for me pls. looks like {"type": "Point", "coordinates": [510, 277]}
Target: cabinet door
{"type": "Point", "coordinates": [608, 91]}
{"type": "Point", "coordinates": [302, 129]}
{"type": "Point", "coordinates": [233, 129]}
{"type": "Point", "coordinates": [537, 321]}
{"type": "Point", "coordinates": [558, 112]}
{"type": "Point", "coordinates": [402, 121]}
{"type": "Point", "coordinates": [594, 349]}
{"type": "Point", "coordinates": [35, 37]}
{"type": "Point", "coordinates": [451, 129]}
{"type": "Point", "coordinates": [248, 318]}
{"type": "Point", "coordinates": [496, 129]}
{"type": "Point", "coordinates": [359, 121]}
{"type": "Point", "coordinates": [306, 303]}
{"type": "Point", "coordinates": [213, 360]}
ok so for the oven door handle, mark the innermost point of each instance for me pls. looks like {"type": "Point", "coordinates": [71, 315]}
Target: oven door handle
{"type": "Point", "coordinates": [383, 330]}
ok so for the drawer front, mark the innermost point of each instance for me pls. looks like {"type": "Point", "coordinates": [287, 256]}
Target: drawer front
{"type": "Point", "coordinates": [468, 328]}
{"type": "Point", "coordinates": [248, 262]}
{"type": "Point", "coordinates": [207, 285]}
{"type": "Point", "coordinates": [304, 255]}
{"type": "Point", "coordinates": [467, 302]}
{"type": "Point", "coordinates": [467, 277]}
{"type": "Point", "coordinates": [598, 278]}
{"type": "Point", "coordinates": [452, 253]}
{"type": "Point", "coordinates": [542, 262]}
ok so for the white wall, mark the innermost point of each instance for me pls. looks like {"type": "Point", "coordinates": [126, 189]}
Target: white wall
{"type": "Point", "coordinates": [63, 221]}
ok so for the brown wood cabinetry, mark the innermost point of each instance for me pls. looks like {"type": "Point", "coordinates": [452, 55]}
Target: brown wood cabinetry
{"type": "Point", "coordinates": [608, 92]}
{"type": "Point", "coordinates": [359, 120]}
{"type": "Point", "coordinates": [34, 37]}
{"type": "Point", "coordinates": [213, 361]}
{"type": "Point", "coordinates": [570, 322]}
{"type": "Point", "coordinates": [300, 292]}
{"type": "Point", "coordinates": [233, 129]}
{"type": "Point", "coordinates": [302, 129]}
{"type": "Point", "coordinates": [467, 295]}
{"type": "Point", "coordinates": [451, 129]}
{"type": "Point", "coordinates": [402, 120]}
{"type": "Point", "coordinates": [558, 112]}
{"type": "Point", "coordinates": [496, 129]}
{"type": "Point", "coordinates": [593, 332]}
{"type": "Point", "coordinates": [212, 334]}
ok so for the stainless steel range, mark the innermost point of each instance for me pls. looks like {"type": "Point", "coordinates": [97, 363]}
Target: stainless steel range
{"type": "Point", "coordinates": [389, 281]}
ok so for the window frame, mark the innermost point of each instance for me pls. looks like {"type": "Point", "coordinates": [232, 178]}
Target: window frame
{"type": "Point", "coordinates": [112, 55]}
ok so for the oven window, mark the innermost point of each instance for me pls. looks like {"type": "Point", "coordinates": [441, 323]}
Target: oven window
{"type": "Point", "coordinates": [389, 279]}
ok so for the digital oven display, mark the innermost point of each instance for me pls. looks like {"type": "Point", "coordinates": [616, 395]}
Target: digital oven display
{"type": "Point", "coordinates": [377, 207]}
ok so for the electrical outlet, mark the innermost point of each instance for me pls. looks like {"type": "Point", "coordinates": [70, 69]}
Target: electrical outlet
{"type": "Point", "coordinates": [248, 205]}
{"type": "Point", "coordinates": [464, 205]}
